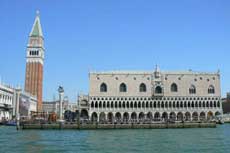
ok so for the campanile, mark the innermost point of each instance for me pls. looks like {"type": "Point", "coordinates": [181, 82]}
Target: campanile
{"type": "Point", "coordinates": [34, 62]}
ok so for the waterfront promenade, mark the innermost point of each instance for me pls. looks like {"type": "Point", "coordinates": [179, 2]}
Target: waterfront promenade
{"type": "Point", "coordinates": [116, 126]}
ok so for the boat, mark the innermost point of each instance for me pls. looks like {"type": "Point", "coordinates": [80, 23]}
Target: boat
{"type": "Point", "coordinates": [220, 121]}
{"type": "Point", "coordinates": [11, 123]}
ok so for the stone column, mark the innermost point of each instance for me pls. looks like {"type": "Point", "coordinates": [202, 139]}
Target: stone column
{"type": "Point", "coordinates": [61, 95]}
{"type": "Point", "coordinates": [106, 117]}
{"type": "Point", "coordinates": [18, 93]}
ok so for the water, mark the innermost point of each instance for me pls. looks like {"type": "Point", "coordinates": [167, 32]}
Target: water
{"type": "Point", "coordinates": [208, 140]}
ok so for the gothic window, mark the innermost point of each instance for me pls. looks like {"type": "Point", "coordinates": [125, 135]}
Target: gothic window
{"type": "Point", "coordinates": [192, 89]}
{"type": "Point", "coordinates": [135, 105]}
{"type": "Point", "coordinates": [203, 104]}
{"type": "Point", "coordinates": [139, 105]}
{"type": "Point", "coordinates": [123, 87]}
{"type": "Point", "coordinates": [211, 89]}
{"type": "Point", "coordinates": [158, 90]}
{"type": "Point", "coordinates": [174, 87]}
{"type": "Point", "coordinates": [96, 105]}
{"type": "Point", "coordinates": [218, 104]}
{"type": "Point", "coordinates": [92, 104]}
{"type": "Point", "coordinates": [142, 87]}
{"type": "Point", "coordinates": [103, 87]}
{"type": "Point", "coordinates": [185, 104]}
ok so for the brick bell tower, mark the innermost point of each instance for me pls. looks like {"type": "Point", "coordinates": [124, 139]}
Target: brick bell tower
{"type": "Point", "coordinates": [34, 62]}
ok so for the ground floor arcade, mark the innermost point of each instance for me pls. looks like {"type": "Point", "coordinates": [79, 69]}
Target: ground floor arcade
{"type": "Point", "coordinates": [125, 117]}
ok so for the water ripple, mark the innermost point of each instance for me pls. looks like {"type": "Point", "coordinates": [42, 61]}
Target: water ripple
{"type": "Point", "coordinates": [209, 140]}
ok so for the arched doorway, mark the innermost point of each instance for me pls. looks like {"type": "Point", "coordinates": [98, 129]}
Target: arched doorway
{"type": "Point", "coordinates": [102, 117]}
{"type": "Point", "coordinates": [126, 117]}
{"type": "Point", "coordinates": [84, 115]}
{"type": "Point", "coordinates": [202, 116]}
{"type": "Point", "coordinates": [209, 116]}
{"type": "Point", "coordinates": [118, 117]}
{"type": "Point", "coordinates": [68, 115]}
{"type": "Point", "coordinates": [180, 116]}
{"type": "Point", "coordinates": [195, 116]}
{"type": "Point", "coordinates": [158, 90]}
{"type": "Point", "coordinates": [217, 114]}
{"type": "Point", "coordinates": [150, 116]}
{"type": "Point", "coordinates": [157, 116]}
{"type": "Point", "coordinates": [134, 117]}
{"type": "Point", "coordinates": [141, 117]}
{"type": "Point", "coordinates": [172, 116]}
{"type": "Point", "coordinates": [187, 116]}
{"type": "Point", "coordinates": [165, 116]}
{"type": "Point", "coordinates": [94, 117]}
{"type": "Point", "coordinates": [110, 117]}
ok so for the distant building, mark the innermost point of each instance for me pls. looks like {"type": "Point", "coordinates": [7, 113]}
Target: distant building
{"type": "Point", "coordinates": [144, 95]}
{"type": "Point", "coordinates": [53, 106]}
{"type": "Point", "coordinates": [226, 104]}
{"type": "Point", "coordinates": [34, 62]}
{"type": "Point", "coordinates": [83, 106]}
{"type": "Point", "coordinates": [8, 103]}
{"type": "Point", "coordinates": [228, 97]}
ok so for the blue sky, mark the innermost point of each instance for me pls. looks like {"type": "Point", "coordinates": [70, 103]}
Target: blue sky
{"type": "Point", "coordinates": [115, 35]}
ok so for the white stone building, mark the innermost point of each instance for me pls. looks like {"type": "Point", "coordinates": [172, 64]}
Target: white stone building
{"type": "Point", "coordinates": [8, 103]}
{"type": "Point", "coordinates": [122, 96]}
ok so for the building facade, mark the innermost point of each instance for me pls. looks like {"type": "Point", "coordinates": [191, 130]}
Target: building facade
{"type": "Point", "coordinates": [34, 62]}
{"type": "Point", "coordinates": [8, 103]}
{"type": "Point", "coordinates": [7, 95]}
{"type": "Point", "coordinates": [124, 96]}
{"type": "Point", "coordinates": [53, 106]}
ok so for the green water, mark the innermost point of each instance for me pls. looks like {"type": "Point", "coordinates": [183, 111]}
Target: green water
{"type": "Point", "coordinates": [209, 140]}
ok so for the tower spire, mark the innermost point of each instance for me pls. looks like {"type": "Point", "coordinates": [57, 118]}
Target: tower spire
{"type": "Point", "coordinates": [37, 28]}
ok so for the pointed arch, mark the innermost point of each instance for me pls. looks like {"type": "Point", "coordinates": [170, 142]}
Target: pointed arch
{"type": "Point", "coordinates": [192, 89]}
{"type": "Point", "coordinates": [174, 87]}
{"type": "Point", "coordinates": [202, 116]}
{"type": "Point", "coordinates": [141, 116]}
{"type": "Point", "coordinates": [126, 117]}
{"type": "Point", "coordinates": [150, 116]}
{"type": "Point", "coordinates": [94, 117]}
{"type": "Point", "coordinates": [92, 104]}
{"type": "Point", "coordinates": [102, 117]}
{"type": "Point", "coordinates": [142, 87]}
{"type": "Point", "coordinates": [180, 116]}
{"type": "Point", "coordinates": [211, 89]}
{"type": "Point", "coordinates": [187, 116]}
{"type": "Point", "coordinates": [103, 87]}
{"type": "Point", "coordinates": [123, 87]}
{"type": "Point", "coordinates": [158, 90]}
{"type": "Point", "coordinates": [165, 116]}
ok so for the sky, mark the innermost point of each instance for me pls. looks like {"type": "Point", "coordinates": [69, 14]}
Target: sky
{"type": "Point", "coordinates": [83, 35]}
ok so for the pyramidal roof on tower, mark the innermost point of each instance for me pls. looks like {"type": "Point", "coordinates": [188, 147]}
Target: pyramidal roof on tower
{"type": "Point", "coordinates": [37, 28]}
